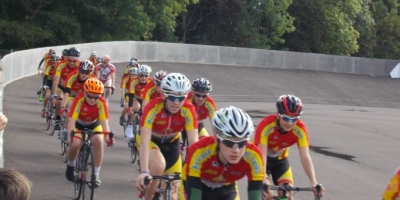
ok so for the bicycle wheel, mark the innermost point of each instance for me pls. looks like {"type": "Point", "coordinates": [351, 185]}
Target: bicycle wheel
{"type": "Point", "coordinates": [49, 121]}
{"type": "Point", "coordinates": [52, 117]}
{"type": "Point", "coordinates": [88, 189]}
{"type": "Point", "coordinates": [134, 152]}
{"type": "Point", "coordinates": [79, 175]}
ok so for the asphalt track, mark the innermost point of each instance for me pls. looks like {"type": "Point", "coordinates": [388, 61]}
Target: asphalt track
{"type": "Point", "coordinates": [353, 123]}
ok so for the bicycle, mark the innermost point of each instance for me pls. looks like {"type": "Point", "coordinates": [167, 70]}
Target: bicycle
{"type": "Point", "coordinates": [63, 137]}
{"type": "Point", "coordinates": [84, 184]}
{"type": "Point", "coordinates": [51, 115]}
{"type": "Point", "coordinates": [160, 192]}
{"type": "Point", "coordinates": [287, 188]}
{"type": "Point", "coordinates": [132, 142]}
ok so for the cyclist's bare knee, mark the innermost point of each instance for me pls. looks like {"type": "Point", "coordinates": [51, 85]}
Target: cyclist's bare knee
{"type": "Point", "coordinates": [156, 163]}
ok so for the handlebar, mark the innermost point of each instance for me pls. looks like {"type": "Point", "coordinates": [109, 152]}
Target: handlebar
{"type": "Point", "coordinates": [289, 188]}
{"type": "Point", "coordinates": [169, 178]}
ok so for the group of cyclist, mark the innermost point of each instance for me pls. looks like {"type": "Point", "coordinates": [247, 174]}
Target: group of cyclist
{"type": "Point", "coordinates": [173, 110]}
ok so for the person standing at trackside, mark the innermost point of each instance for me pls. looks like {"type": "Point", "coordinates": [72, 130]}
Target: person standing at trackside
{"type": "Point", "coordinates": [162, 121]}
{"type": "Point", "coordinates": [14, 185]}
{"type": "Point", "coordinates": [215, 163]}
{"type": "Point", "coordinates": [105, 71]}
{"type": "Point", "coordinates": [88, 110]}
{"type": "Point", "coordinates": [392, 190]}
{"type": "Point", "coordinates": [203, 102]}
{"type": "Point", "coordinates": [276, 133]}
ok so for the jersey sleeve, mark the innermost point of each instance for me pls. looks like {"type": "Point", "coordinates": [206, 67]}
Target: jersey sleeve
{"type": "Point", "coordinates": [59, 69]}
{"type": "Point", "coordinates": [262, 132]}
{"type": "Point", "coordinates": [70, 79]}
{"type": "Point", "coordinates": [75, 107]}
{"type": "Point", "coordinates": [393, 188]}
{"type": "Point", "coordinates": [189, 113]}
{"type": "Point", "coordinates": [103, 109]}
{"type": "Point", "coordinates": [149, 114]}
{"type": "Point", "coordinates": [253, 157]}
{"type": "Point", "coordinates": [211, 107]}
{"type": "Point", "coordinates": [300, 131]}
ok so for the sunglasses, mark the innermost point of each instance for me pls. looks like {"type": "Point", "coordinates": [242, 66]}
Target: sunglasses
{"type": "Point", "coordinates": [289, 119]}
{"type": "Point", "coordinates": [201, 96]}
{"type": "Point", "coordinates": [176, 99]}
{"type": "Point", "coordinates": [143, 76]}
{"type": "Point", "coordinates": [86, 72]}
{"type": "Point", "coordinates": [91, 97]}
{"type": "Point", "coordinates": [231, 143]}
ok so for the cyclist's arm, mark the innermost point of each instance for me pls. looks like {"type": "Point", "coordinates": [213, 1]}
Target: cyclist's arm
{"type": "Point", "coordinates": [40, 63]}
{"type": "Point", "coordinates": [254, 190]}
{"type": "Point", "coordinates": [45, 80]}
{"type": "Point", "coordinates": [113, 79]}
{"type": "Point", "coordinates": [193, 136]}
{"type": "Point", "coordinates": [145, 136]}
{"type": "Point", "coordinates": [65, 97]}
{"type": "Point", "coordinates": [56, 79]}
{"type": "Point", "coordinates": [307, 163]}
{"type": "Point", "coordinates": [193, 188]}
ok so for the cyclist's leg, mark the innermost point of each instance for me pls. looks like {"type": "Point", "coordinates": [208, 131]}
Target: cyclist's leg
{"type": "Point", "coordinates": [281, 173]}
{"type": "Point", "coordinates": [124, 110]}
{"type": "Point", "coordinates": [156, 168]}
{"type": "Point", "coordinates": [173, 164]}
{"type": "Point", "coordinates": [72, 153]}
{"type": "Point", "coordinates": [60, 94]}
{"type": "Point", "coordinates": [98, 152]}
{"type": "Point", "coordinates": [107, 89]}
{"type": "Point", "coordinates": [131, 103]}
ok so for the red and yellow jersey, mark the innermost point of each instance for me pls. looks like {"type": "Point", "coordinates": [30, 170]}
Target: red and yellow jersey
{"type": "Point", "coordinates": [156, 118]}
{"type": "Point", "coordinates": [135, 87]}
{"type": "Point", "coordinates": [149, 92]}
{"type": "Point", "coordinates": [75, 84]}
{"type": "Point", "coordinates": [46, 59]}
{"type": "Point", "coordinates": [93, 60]}
{"type": "Point", "coordinates": [63, 71]}
{"type": "Point", "coordinates": [126, 84]}
{"type": "Point", "coordinates": [202, 162]}
{"type": "Point", "coordinates": [277, 143]}
{"type": "Point", "coordinates": [49, 70]}
{"type": "Point", "coordinates": [393, 189]}
{"type": "Point", "coordinates": [205, 110]}
{"type": "Point", "coordinates": [80, 110]}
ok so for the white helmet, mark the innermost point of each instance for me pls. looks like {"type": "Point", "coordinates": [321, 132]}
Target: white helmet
{"type": "Point", "coordinates": [133, 70]}
{"type": "Point", "coordinates": [93, 53]}
{"type": "Point", "coordinates": [158, 76]}
{"type": "Point", "coordinates": [233, 122]}
{"type": "Point", "coordinates": [144, 69]}
{"type": "Point", "coordinates": [176, 83]}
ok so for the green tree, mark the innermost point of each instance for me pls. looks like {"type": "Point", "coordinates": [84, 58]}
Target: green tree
{"type": "Point", "coordinates": [324, 26]}
{"type": "Point", "coordinates": [365, 25]}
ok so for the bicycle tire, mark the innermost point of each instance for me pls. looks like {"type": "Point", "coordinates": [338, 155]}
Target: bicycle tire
{"type": "Point", "coordinates": [49, 121]}
{"type": "Point", "coordinates": [52, 117]}
{"type": "Point", "coordinates": [78, 182]}
{"type": "Point", "coordinates": [134, 152]}
{"type": "Point", "coordinates": [88, 188]}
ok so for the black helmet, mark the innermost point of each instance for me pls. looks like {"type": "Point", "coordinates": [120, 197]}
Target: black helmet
{"type": "Point", "coordinates": [74, 52]}
{"type": "Point", "coordinates": [201, 85]}
{"type": "Point", "coordinates": [289, 105]}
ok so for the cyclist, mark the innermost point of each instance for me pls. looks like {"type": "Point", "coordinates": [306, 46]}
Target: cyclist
{"type": "Point", "coordinates": [153, 90]}
{"type": "Point", "coordinates": [126, 96]}
{"type": "Point", "coordinates": [215, 163]}
{"type": "Point", "coordinates": [88, 110]}
{"type": "Point", "coordinates": [276, 133]}
{"type": "Point", "coordinates": [204, 104]}
{"type": "Point", "coordinates": [393, 188]}
{"type": "Point", "coordinates": [46, 62]}
{"type": "Point", "coordinates": [131, 64]}
{"type": "Point", "coordinates": [60, 77]}
{"type": "Point", "coordinates": [48, 81]}
{"type": "Point", "coordinates": [136, 87]}
{"type": "Point", "coordinates": [93, 58]}
{"type": "Point", "coordinates": [162, 121]}
{"type": "Point", "coordinates": [74, 84]}
{"type": "Point", "coordinates": [105, 71]}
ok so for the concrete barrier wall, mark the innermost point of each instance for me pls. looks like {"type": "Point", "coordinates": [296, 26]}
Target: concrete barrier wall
{"type": "Point", "coordinates": [21, 64]}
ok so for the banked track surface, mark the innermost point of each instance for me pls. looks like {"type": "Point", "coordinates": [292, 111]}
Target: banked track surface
{"type": "Point", "coordinates": [354, 145]}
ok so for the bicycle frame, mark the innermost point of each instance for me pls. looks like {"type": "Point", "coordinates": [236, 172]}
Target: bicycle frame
{"type": "Point", "coordinates": [168, 181]}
